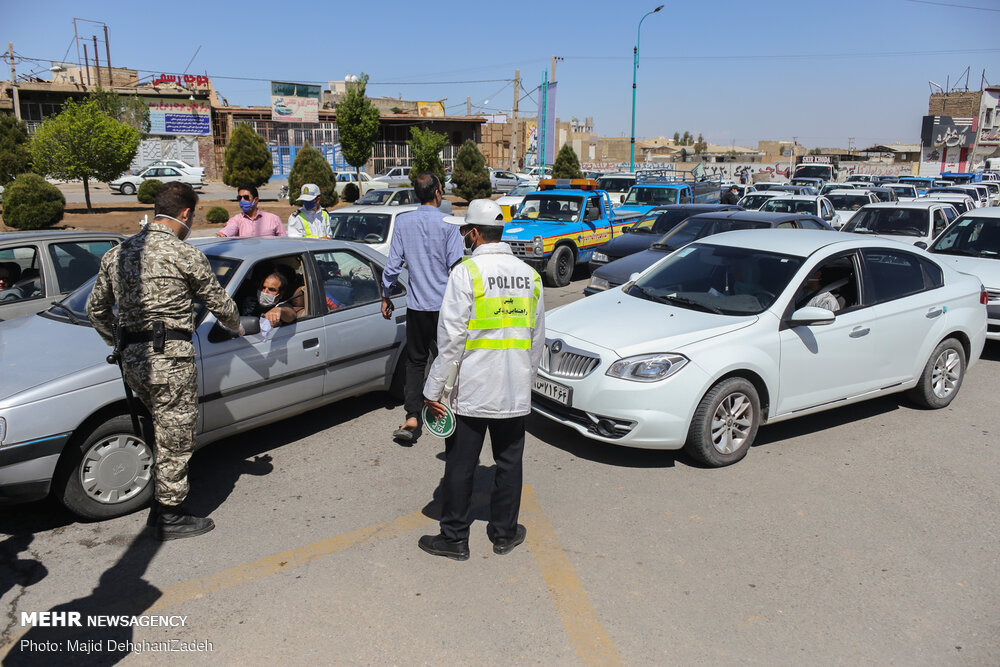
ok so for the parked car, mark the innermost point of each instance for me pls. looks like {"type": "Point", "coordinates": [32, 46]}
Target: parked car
{"type": "Point", "coordinates": [971, 245]}
{"type": "Point", "coordinates": [809, 182]}
{"type": "Point", "coordinates": [510, 202]}
{"type": "Point", "coordinates": [616, 185]}
{"type": "Point", "coordinates": [48, 265]}
{"type": "Point", "coordinates": [718, 339]}
{"type": "Point", "coordinates": [371, 225]}
{"type": "Point", "coordinates": [367, 182]}
{"type": "Point", "coordinates": [754, 200]}
{"type": "Point", "coordinates": [816, 205]}
{"type": "Point", "coordinates": [694, 228]}
{"type": "Point", "coordinates": [502, 180]}
{"type": "Point", "coordinates": [904, 191]}
{"type": "Point", "coordinates": [535, 173]}
{"type": "Point", "coordinates": [394, 176]}
{"type": "Point", "coordinates": [962, 202]}
{"type": "Point", "coordinates": [766, 186]}
{"type": "Point", "coordinates": [848, 202]}
{"type": "Point", "coordinates": [788, 188]}
{"type": "Point", "coordinates": [994, 189]}
{"type": "Point", "coordinates": [830, 187]}
{"type": "Point", "coordinates": [916, 222]}
{"type": "Point", "coordinates": [389, 197]}
{"type": "Point", "coordinates": [180, 165]}
{"type": "Point", "coordinates": [867, 179]}
{"type": "Point", "coordinates": [129, 184]}
{"type": "Point", "coordinates": [882, 193]}
{"type": "Point", "coordinates": [64, 425]}
{"type": "Point", "coordinates": [649, 229]}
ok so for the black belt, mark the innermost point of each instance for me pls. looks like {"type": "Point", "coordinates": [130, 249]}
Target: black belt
{"type": "Point", "coordinates": [132, 337]}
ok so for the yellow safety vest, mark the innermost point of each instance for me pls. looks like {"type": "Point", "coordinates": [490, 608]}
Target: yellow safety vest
{"type": "Point", "coordinates": [305, 224]}
{"type": "Point", "coordinates": [500, 314]}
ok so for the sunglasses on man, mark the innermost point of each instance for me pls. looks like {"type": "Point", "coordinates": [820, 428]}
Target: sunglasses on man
{"type": "Point", "coordinates": [245, 197]}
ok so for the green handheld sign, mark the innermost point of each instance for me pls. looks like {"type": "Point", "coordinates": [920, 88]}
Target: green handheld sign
{"type": "Point", "coordinates": [441, 427]}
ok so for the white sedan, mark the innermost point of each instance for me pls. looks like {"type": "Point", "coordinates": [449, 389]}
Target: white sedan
{"type": "Point", "coordinates": [848, 202]}
{"type": "Point", "coordinates": [917, 222]}
{"type": "Point", "coordinates": [342, 178]}
{"type": "Point", "coordinates": [129, 185]}
{"type": "Point", "coordinates": [724, 335]}
{"type": "Point", "coordinates": [817, 205]}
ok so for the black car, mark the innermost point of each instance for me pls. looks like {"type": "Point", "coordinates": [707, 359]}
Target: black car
{"type": "Point", "coordinates": [696, 227]}
{"type": "Point", "coordinates": [653, 225]}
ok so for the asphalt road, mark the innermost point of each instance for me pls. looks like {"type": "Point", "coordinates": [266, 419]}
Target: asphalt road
{"type": "Point", "coordinates": [865, 535]}
{"type": "Point", "coordinates": [100, 193]}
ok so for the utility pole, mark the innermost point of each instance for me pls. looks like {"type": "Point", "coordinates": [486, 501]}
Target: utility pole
{"type": "Point", "coordinates": [97, 62]}
{"type": "Point", "coordinates": [850, 145]}
{"type": "Point", "coordinates": [468, 106]}
{"type": "Point", "coordinates": [555, 59]}
{"type": "Point", "coordinates": [86, 62]}
{"type": "Point", "coordinates": [107, 50]}
{"type": "Point", "coordinates": [542, 139]}
{"type": "Point", "coordinates": [514, 133]}
{"type": "Point", "coordinates": [13, 81]}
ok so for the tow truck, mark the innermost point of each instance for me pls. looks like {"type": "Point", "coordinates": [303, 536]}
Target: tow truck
{"type": "Point", "coordinates": [816, 166]}
{"type": "Point", "coordinates": [560, 225]}
{"type": "Point", "coordinates": [655, 187]}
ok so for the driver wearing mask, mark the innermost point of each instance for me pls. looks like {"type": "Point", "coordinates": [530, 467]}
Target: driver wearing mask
{"type": "Point", "coordinates": [271, 301]}
{"type": "Point", "coordinates": [310, 221]}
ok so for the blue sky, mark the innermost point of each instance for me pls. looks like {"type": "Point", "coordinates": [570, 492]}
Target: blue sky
{"type": "Point", "coordinates": [734, 71]}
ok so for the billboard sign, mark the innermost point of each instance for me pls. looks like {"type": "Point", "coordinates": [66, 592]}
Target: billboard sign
{"type": "Point", "coordinates": [179, 116]}
{"type": "Point", "coordinates": [430, 109]}
{"type": "Point", "coordinates": [947, 132]}
{"type": "Point", "coordinates": [295, 102]}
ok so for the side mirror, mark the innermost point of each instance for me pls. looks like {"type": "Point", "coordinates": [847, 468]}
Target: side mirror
{"type": "Point", "coordinates": [626, 230]}
{"type": "Point", "coordinates": [810, 316]}
{"type": "Point", "coordinates": [394, 203]}
{"type": "Point", "coordinates": [219, 333]}
{"type": "Point", "coordinates": [921, 245]}
{"type": "Point", "coordinates": [632, 278]}
{"type": "Point", "coordinates": [621, 199]}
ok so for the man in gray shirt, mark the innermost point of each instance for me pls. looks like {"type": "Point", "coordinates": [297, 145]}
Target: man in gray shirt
{"type": "Point", "coordinates": [429, 247]}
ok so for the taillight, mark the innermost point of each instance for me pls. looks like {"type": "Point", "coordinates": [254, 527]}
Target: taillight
{"type": "Point", "coordinates": [984, 296]}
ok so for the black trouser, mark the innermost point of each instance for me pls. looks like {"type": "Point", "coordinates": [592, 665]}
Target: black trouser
{"type": "Point", "coordinates": [421, 340]}
{"type": "Point", "coordinates": [462, 451]}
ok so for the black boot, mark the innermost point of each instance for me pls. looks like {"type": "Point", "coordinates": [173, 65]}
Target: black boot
{"type": "Point", "coordinates": [154, 513]}
{"type": "Point", "coordinates": [174, 523]}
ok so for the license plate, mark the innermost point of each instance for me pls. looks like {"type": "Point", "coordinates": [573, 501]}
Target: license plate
{"type": "Point", "coordinates": [553, 390]}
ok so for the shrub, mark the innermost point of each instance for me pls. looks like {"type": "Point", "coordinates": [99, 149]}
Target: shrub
{"type": "Point", "coordinates": [311, 167]}
{"type": "Point", "coordinates": [147, 191]}
{"type": "Point", "coordinates": [217, 214]}
{"type": "Point", "coordinates": [351, 192]}
{"type": "Point", "coordinates": [31, 202]}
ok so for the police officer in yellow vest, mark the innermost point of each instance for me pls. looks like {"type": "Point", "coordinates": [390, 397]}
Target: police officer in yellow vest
{"type": "Point", "coordinates": [310, 221]}
{"type": "Point", "coordinates": [492, 328]}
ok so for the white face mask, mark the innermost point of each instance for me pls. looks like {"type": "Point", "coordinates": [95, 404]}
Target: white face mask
{"type": "Point", "coordinates": [265, 299]}
{"type": "Point", "coordinates": [164, 215]}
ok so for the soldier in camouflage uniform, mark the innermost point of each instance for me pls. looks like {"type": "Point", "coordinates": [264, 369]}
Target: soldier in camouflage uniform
{"type": "Point", "coordinates": [153, 276]}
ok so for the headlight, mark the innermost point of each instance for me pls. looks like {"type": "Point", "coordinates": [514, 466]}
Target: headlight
{"type": "Point", "coordinates": [598, 283]}
{"type": "Point", "coordinates": [647, 367]}
{"type": "Point", "coordinates": [538, 246]}
{"type": "Point", "coordinates": [3, 429]}
{"type": "Point", "coordinates": [600, 257]}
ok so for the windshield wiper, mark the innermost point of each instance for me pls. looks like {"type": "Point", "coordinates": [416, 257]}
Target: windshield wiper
{"type": "Point", "coordinates": [72, 316]}
{"type": "Point", "coordinates": [956, 251]}
{"type": "Point", "coordinates": [643, 292]}
{"type": "Point", "coordinates": [690, 303]}
{"type": "Point", "coordinates": [642, 230]}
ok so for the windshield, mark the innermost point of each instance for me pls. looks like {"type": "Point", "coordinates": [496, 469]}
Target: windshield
{"type": "Point", "coordinates": [974, 236]}
{"type": "Point", "coordinates": [651, 196]}
{"type": "Point", "coordinates": [555, 208]}
{"type": "Point", "coordinates": [848, 202]}
{"type": "Point", "coordinates": [375, 197]}
{"type": "Point", "coordinates": [778, 205]}
{"type": "Point", "coordinates": [695, 228]}
{"type": "Point", "coordinates": [521, 190]}
{"type": "Point", "coordinates": [814, 171]}
{"type": "Point", "coordinates": [363, 227]}
{"type": "Point", "coordinates": [223, 267]}
{"type": "Point", "coordinates": [718, 279]}
{"type": "Point", "coordinates": [897, 221]}
{"type": "Point", "coordinates": [660, 223]}
{"type": "Point", "coordinates": [754, 201]}
{"type": "Point", "coordinates": [921, 182]}
{"type": "Point", "coordinates": [615, 184]}
{"type": "Point", "coordinates": [902, 190]}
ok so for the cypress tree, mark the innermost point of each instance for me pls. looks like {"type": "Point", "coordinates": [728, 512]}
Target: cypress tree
{"type": "Point", "coordinates": [311, 167]}
{"type": "Point", "coordinates": [470, 176]}
{"type": "Point", "coordinates": [247, 160]}
{"type": "Point", "coordinates": [567, 164]}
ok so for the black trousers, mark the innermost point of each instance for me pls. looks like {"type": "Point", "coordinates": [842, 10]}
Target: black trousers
{"type": "Point", "coordinates": [421, 342]}
{"type": "Point", "coordinates": [462, 451]}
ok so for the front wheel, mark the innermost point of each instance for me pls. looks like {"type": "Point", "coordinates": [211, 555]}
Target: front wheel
{"type": "Point", "coordinates": [128, 189]}
{"type": "Point", "coordinates": [109, 474]}
{"type": "Point", "coordinates": [559, 270]}
{"type": "Point", "coordinates": [725, 423]}
{"type": "Point", "coordinates": [942, 376]}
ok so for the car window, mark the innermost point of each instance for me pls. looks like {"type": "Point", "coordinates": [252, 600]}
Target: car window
{"type": "Point", "coordinates": [895, 221]}
{"type": "Point", "coordinates": [22, 266]}
{"type": "Point", "coordinates": [893, 274]}
{"type": "Point", "coordinates": [971, 236]}
{"type": "Point", "coordinates": [809, 223]}
{"type": "Point", "coordinates": [833, 285]}
{"type": "Point", "coordinates": [291, 268]}
{"type": "Point", "coordinates": [77, 261]}
{"type": "Point", "coordinates": [348, 279]}
{"type": "Point", "coordinates": [363, 227]}
{"type": "Point", "coordinates": [169, 172]}
{"type": "Point", "coordinates": [940, 221]}
{"type": "Point", "coordinates": [788, 224]}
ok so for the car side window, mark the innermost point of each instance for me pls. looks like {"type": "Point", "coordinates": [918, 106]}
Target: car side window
{"type": "Point", "coordinates": [24, 279]}
{"type": "Point", "coordinates": [296, 296]}
{"type": "Point", "coordinates": [892, 274]}
{"type": "Point", "coordinates": [941, 219]}
{"type": "Point", "coordinates": [788, 224]}
{"type": "Point", "coordinates": [809, 223]}
{"type": "Point", "coordinates": [76, 262]}
{"type": "Point", "coordinates": [833, 281]}
{"type": "Point", "coordinates": [347, 279]}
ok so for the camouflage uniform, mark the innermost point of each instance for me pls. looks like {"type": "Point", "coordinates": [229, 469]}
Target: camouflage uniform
{"type": "Point", "coordinates": [153, 276]}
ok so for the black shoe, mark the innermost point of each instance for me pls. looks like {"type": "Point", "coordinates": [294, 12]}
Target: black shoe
{"type": "Point", "coordinates": [154, 513]}
{"type": "Point", "coordinates": [439, 545]}
{"type": "Point", "coordinates": [174, 523]}
{"type": "Point", "coordinates": [504, 545]}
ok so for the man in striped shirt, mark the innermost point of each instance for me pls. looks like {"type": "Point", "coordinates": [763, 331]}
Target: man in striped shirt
{"type": "Point", "coordinates": [250, 221]}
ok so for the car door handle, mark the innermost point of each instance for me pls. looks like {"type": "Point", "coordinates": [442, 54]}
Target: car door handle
{"type": "Point", "coordinates": [934, 312]}
{"type": "Point", "coordinates": [312, 342]}
{"type": "Point", "coordinates": [858, 332]}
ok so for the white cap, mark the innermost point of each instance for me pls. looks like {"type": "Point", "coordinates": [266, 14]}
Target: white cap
{"type": "Point", "coordinates": [309, 192]}
{"type": "Point", "coordinates": [484, 212]}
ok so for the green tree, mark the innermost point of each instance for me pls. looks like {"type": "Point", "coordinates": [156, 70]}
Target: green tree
{"type": "Point", "coordinates": [311, 167]}
{"type": "Point", "coordinates": [426, 146]}
{"type": "Point", "coordinates": [470, 175]}
{"type": "Point", "coordinates": [567, 164]}
{"type": "Point", "coordinates": [247, 160]}
{"type": "Point", "coordinates": [700, 146]}
{"type": "Point", "coordinates": [31, 202]}
{"type": "Point", "coordinates": [686, 139]}
{"type": "Point", "coordinates": [358, 124]}
{"type": "Point", "coordinates": [83, 143]}
{"type": "Point", "coordinates": [129, 109]}
{"type": "Point", "coordinates": [677, 137]}
{"type": "Point", "coordinates": [14, 155]}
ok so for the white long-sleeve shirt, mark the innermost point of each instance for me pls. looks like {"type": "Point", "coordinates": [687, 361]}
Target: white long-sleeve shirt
{"type": "Point", "coordinates": [319, 223]}
{"type": "Point", "coordinates": [490, 383]}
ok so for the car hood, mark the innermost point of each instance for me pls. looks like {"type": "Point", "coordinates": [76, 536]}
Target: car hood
{"type": "Point", "coordinates": [985, 268]}
{"type": "Point", "coordinates": [629, 325]}
{"type": "Point", "coordinates": [627, 244]}
{"type": "Point", "coordinates": [620, 270]}
{"type": "Point", "coordinates": [36, 350]}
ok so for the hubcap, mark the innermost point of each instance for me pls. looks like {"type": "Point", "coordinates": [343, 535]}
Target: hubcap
{"type": "Point", "coordinates": [731, 423]}
{"type": "Point", "coordinates": [116, 468]}
{"type": "Point", "coordinates": [946, 373]}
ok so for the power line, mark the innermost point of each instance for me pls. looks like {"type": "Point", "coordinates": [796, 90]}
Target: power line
{"type": "Point", "coordinates": [948, 4]}
{"type": "Point", "coordinates": [802, 56]}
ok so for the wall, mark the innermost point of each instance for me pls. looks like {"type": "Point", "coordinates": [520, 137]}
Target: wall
{"type": "Point", "coordinates": [957, 105]}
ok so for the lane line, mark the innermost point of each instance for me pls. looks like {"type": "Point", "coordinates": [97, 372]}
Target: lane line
{"type": "Point", "coordinates": [592, 643]}
{"type": "Point", "coordinates": [241, 574]}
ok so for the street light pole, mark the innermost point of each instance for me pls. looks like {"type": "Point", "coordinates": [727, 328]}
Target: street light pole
{"type": "Point", "coordinates": [635, 68]}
